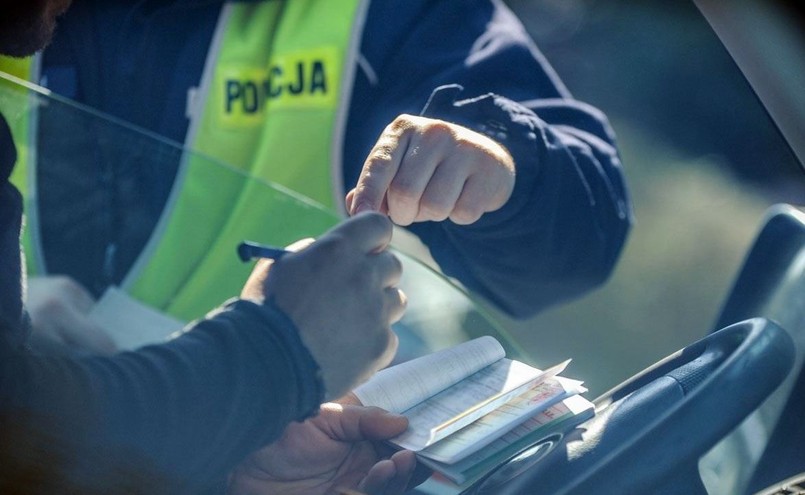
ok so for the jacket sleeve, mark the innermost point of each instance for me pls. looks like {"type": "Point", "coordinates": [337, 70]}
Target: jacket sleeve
{"type": "Point", "coordinates": [561, 233]}
{"type": "Point", "coordinates": [171, 418]}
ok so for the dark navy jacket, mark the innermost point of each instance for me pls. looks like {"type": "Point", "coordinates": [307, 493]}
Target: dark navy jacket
{"type": "Point", "coordinates": [558, 236]}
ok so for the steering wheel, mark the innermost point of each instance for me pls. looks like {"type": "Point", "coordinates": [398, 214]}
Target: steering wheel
{"type": "Point", "coordinates": [649, 432]}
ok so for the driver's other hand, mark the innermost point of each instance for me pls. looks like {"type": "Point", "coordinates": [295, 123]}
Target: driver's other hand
{"type": "Point", "coordinates": [59, 309]}
{"type": "Point", "coordinates": [341, 292]}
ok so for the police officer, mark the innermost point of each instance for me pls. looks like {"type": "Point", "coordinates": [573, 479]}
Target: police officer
{"type": "Point", "coordinates": [514, 186]}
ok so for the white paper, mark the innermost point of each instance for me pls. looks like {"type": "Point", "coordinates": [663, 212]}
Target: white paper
{"type": "Point", "coordinates": [130, 323]}
{"type": "Point", "coordinates": [539, 397]}
{"type": "Point", "coordinates": [463, 403]}
{"type": "Point", "coordinates": [570, 411]}
{"type": "Point", "coordinates": [401, 387]}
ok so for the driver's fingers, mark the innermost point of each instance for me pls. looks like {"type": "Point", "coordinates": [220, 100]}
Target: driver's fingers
{"type": "Point", "coordinates": [396, 302]}
{"type": "Point", "coordinates": [404, 463]}
{"type": "Point", "coordinates": [378, 477]}
{"type": "Point", "coordinates": [370, 232]}
{"type": "Point", "coordinates": [391, 476]}
{"type": "Point", "coordinates": [358, 423]}
{"type": "Point", "coordinates": [300, 244]}
{"type": "Point", "coordinates": [389, 267]}
{"type": "Point", "coordinates": [392, 343]}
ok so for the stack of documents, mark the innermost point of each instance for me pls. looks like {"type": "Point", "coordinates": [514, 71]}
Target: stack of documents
{"type": "Point", "coordinates": [470, 408]}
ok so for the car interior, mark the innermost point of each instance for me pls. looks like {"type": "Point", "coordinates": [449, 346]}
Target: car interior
{"type": "Point", "coordinates": [693, 351]}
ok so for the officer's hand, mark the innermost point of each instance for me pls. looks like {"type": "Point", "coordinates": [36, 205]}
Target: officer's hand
{"type": "Point", "coordinates": [341, 293]}
{"type": "Point", "coordinates": [59, 308]}
{"type": "Point", "coordinates": [424, 169]}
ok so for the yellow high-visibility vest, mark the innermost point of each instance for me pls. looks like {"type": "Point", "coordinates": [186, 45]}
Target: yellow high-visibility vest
{"type": "Point", "coordinates": [272, 106]}
{"type": "Point", "coordinates": [15, 105]}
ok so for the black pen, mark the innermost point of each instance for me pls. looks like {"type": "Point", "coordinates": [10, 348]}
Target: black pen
{"type": "Point", "coordinates": [248, 251]}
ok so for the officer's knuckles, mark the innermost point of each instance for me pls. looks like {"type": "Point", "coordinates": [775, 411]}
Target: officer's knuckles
{"type": "Point", "coordinates": [402, 124]}
{"type": "Point", "coordinates": [380, 157]}
{"type": "Point", "coordinates": [435, 208]}
{"type": "Point", "coordinates": [431, 126]}
{"type": "Point", "coordinates": [403, 200]}
{"type": "Point", "coordinates": [403, 189]}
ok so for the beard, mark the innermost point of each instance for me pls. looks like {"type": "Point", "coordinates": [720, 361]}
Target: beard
{"type": "Point", "coordinates": [27, 27]}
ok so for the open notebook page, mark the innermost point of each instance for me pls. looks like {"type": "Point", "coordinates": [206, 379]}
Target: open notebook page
{"type": "Point", "coordinates": [461, 404]}
{"type": "Point", "coordinates": [540, 396]}
{"type": "Point", "coordinates": [401, 387]}
{"type": "Point", "coordinates": [557, 418]}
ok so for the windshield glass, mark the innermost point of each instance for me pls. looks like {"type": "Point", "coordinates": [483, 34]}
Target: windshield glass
{"type": "Point", "coordinates": [163, 289]}
{"type": "Point", "coordinates": [703, 162]}
{"type": "Point", "coordinates": [702, 158]}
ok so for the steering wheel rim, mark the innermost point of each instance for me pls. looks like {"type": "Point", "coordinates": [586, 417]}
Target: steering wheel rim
{"type": "Point", "coordinates": [650, 431]}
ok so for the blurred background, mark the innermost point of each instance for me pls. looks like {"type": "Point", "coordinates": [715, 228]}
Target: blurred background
{"type": "Point", "coordinates": [702, 159]}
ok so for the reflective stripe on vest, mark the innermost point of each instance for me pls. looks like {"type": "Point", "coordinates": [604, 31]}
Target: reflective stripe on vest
{"type": "Point", "coordinates": [16, 105]}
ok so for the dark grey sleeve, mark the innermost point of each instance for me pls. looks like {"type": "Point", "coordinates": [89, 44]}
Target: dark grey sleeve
{"type": "Point", "coordinates": [176, 416]}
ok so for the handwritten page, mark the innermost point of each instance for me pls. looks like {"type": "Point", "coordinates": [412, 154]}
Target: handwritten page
{"type": "Point", "coordinates": [401, 387]}
{"type": "Point", "coordinates": [559, 417]}
{"type": "Point", "coordinates": [457, 406]}
{"type": "Point", "coordinates": [539, 397]}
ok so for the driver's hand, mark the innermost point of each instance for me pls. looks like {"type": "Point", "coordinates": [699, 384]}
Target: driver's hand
{"type": "Point", "coordinates": [338, 451]}
{"type": "Point", "coordinates": [341, 293]}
